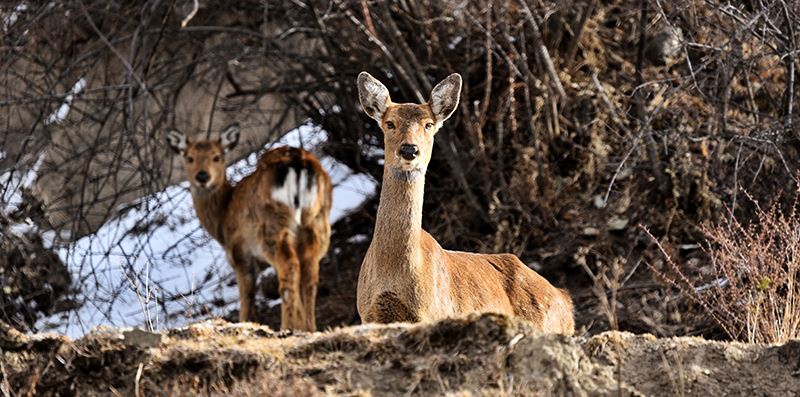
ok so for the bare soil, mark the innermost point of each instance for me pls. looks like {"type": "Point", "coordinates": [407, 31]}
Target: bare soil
{"type": "Point", "coordinates": [477, 355]}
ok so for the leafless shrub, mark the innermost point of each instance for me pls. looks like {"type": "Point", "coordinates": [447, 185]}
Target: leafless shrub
{"type": "Point", "coordinates": [33, 280]}
{"type": "Point", "coordinates": [751, 290]}
{"type": "Point", "coordinates": [573, 114]}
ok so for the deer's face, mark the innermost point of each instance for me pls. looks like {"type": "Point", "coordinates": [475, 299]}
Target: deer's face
{"type": "Point", "coordinates": [408, 128]}
{"type": "Point", "coordinates": [408, 131]}
{"type": "Point", "coordinates": [204, 160]}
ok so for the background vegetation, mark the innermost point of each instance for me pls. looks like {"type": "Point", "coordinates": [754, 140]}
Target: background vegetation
{"type": "Point", "coordinates": [579, 122]}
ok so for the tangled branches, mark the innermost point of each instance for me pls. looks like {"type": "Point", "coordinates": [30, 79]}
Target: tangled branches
{"type": "Point", "coordinates": [578, 119]}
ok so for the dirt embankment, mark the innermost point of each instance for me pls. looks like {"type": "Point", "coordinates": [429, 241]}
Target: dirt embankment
{"type": "Point", "coordinates": [477, 355]}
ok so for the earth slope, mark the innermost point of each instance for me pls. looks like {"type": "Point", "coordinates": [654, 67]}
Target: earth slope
{"type": "Point", "coordinates": [477, 355]}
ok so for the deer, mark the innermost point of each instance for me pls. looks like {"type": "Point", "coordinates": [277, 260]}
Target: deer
{"type": "Point", "coordinates": [277, 216]}
{"type": "Point", "coordinates": [406, 276]}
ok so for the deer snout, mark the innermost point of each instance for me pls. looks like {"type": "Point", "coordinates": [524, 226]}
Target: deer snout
{"type": "Point", "coordinates": [408, 152]}
{"type": "Point", "coordinates": [202, 177]}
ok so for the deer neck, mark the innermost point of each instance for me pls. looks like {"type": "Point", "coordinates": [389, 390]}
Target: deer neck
{"type": "Point", "coordinates": [211, 207]}
{"type": "Point", "coordinates": [398, 224]}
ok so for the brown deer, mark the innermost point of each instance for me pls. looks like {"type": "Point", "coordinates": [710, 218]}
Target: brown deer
{"type": "Point", "coordinates": [406, 275]}
{"type": "Point", "coordinates": [278, 215]}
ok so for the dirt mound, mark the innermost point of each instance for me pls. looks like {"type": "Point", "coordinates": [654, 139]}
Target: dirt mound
{"type": "Point", "coordinates": [478, 355]}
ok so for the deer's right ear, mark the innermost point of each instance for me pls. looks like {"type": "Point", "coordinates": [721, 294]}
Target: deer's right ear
{"type": "Point", "coordinates": [444, 98]}
{"type": "Point", "coordinates": [373, 95]}
{"type": "Point", "coordinates": [177, 141]}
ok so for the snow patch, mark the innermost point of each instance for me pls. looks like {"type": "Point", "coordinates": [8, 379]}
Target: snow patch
{"type": "Point", "coordinates": [12, 18]}
{"type": "Point", "coordinates": [13, 181]}
{"type": "Point", "coordinates": [268, 272]}
{"type": "Point", "coordinates": [21, 229]}
{"type": "Point", "coordinates": [33, 173]}
{"type": "Point", "coordinates": [62, 112]}
{"type": "Point", "coordinates": [455, 42]}
{"type": "Point", "coordinates": [358, 238]}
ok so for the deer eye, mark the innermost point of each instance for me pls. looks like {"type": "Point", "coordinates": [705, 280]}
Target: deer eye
{"type": "Point", "coordinates": [216, 159]}
{"type": "Point", "coordinates": [390, 125]}
{"type": "Point", "coordinates": [189, 159]}
{"type": "Point", "coordinates": [428, 126]}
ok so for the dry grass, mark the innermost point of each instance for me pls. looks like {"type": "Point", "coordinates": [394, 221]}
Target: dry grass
{"type": "Point", "coordinates": [751, 290]}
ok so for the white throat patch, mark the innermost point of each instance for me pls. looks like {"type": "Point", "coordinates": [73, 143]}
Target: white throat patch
{"type": "Point", "coordinates": [406, 176]}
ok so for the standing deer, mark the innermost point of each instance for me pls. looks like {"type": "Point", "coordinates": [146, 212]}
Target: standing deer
{"type": "Point", "coordinates": [406, 275]}
{"type": "Point", "coordinates": [277, 215]}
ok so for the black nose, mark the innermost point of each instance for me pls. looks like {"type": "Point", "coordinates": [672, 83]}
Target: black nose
{"type": "Point", "coordinates": [409, 152]}
{"type": "Point", "coordinates": [202, 177]}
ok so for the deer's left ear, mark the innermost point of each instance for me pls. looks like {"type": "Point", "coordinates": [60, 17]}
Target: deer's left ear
{"type": "Point", "coordinates": [229, 137]}
{"type": "Point", "coordinates": [444, 98]}
{"type": "Point", "coordinates": [177, 141]}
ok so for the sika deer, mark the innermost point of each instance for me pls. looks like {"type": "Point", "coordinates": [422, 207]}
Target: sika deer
{"type": "Point", "coordinates": [277, 215]}
{"type": "Point", "coordinates": [406, 275]}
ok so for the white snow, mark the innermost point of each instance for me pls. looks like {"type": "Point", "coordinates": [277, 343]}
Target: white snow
{"type": "Point", "coordinates": [159, 270]}
{"type": "Point", "coordinates": [62, 112]}
{"type": "Point", "coordinates": [11, 18]}
{"type": "Point", "coordinates": [358, 238]}
{"type": "Point", "coordinates": [33, 173]}
{"type": "Point", "coordinates": [13, 181]}
{"type": "Point", "coordinates": [10, 195]}
{"type": "Point", "coordinates": [455, 42]}
{"type": "Point", "coordinates": [21, 229]}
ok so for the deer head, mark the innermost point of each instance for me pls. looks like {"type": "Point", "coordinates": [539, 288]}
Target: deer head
{"type": "Point", "coordinates": [408, 128]}
{"type": "Point", "coordinates": [204, 160]}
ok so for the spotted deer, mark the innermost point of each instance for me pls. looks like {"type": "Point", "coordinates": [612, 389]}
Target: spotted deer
{"type": "Point", "coordinates": [406, 276]}
{"type": "Point", "coordinates": [277, 215]}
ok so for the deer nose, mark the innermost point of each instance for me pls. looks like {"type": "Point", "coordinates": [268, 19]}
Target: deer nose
{"type": "Point", "coordinates": [202, 177]}
{"type": "Point", "coordinates": [409, 152]}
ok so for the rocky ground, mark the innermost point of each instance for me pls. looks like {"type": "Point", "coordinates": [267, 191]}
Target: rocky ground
{"type": "Point", "coordinates": [477, 355]}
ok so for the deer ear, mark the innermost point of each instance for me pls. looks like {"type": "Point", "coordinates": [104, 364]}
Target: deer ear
{"type": "Point", "coordinates": [444, 98]}
{"type": "Point", "coordinates": [229, 137]}
{"type": "Point", "coordinates": [373, 95]}
{"type": "Point", "coordinates": [177, 141]}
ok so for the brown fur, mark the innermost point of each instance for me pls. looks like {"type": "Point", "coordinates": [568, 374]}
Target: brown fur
{"type": "Point", "coordinates": [254, 229]}
{"type": "Point", "coordinates": [406, 275]}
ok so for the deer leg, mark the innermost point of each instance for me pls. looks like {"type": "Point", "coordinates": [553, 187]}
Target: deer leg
{"type": "Point", "coordinates": [246, 283]}
{"type": "Point", "coordinates": [310, 255]}
{"type": "Point", "coordinates": [309, 286]}
{"type": "Point", "coordinates": [309, 279]}
{"type": "Point", "coordinates": [287, 266]}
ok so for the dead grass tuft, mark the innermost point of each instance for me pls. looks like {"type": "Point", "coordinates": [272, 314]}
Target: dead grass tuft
{"type": "Point", "coordinates": [752, 290]}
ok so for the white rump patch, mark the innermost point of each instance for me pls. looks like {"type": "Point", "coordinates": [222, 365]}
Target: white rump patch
{"type": "Point", "coordinates": [298, 192]}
